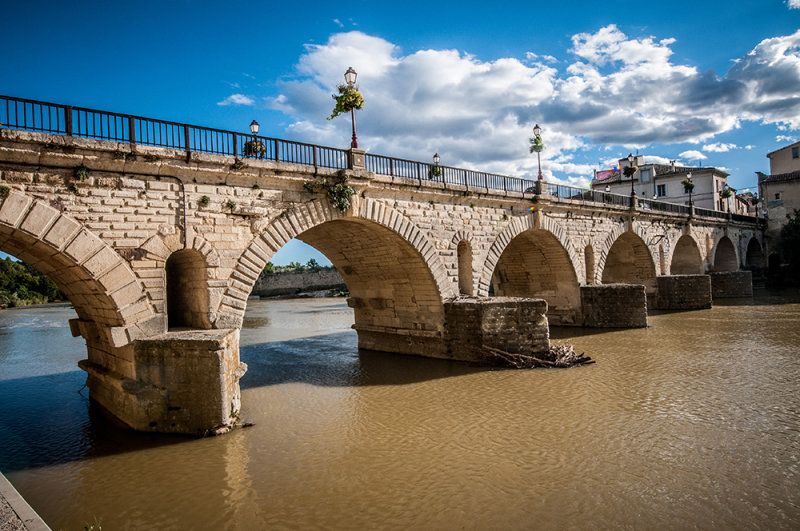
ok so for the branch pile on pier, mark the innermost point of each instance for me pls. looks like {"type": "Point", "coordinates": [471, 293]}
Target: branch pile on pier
{"type": "Point", "coordinates": [557, 356]}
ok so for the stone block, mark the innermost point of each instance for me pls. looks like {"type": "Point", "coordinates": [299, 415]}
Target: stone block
{"type": "Point", "coordinates": [731, 284]}
{"type": "Point", "coordinates": [683, 292]}
{"type": "Point", "coordinates": [13, 208]}
{"type": "Point", "coordinates": [38, 219]}
{"type": "Point", "coordinates": [614, 306]}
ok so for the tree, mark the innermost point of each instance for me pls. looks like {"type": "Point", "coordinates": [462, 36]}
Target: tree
{"type": "Point", "coordinates": [789, 242]}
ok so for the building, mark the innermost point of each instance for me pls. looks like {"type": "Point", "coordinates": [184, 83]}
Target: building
{"type": "Point", "coordinates": [665, 183]}
{"type": "Point", "coordinates": [785, 159]}
{"type": "Point", "coordinates": [780, 190]}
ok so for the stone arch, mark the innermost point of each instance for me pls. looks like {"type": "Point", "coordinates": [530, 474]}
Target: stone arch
{"type": "Point", "coordinates": [754, 257]}
{"type": "Point", "coordinates": [186, 279]}
{"type": "Point", "coordinates": [629, 261]}
{"type": "Point", "coordinates": [612, 238]}
{"type": "Point", "coordinates": [686, 257]}
{"type": "Point", "coordinates": [99, 283]}
{"type": "Point", "coordinates": [535, 264]}
{"type": "Point", "coordinates": [725, 258]}
{"type": "Point", "coordinates": [588, 255]}
{"type": "Point", "coordinates": [515, 227]}
{"type": "Point", "coordinates": [464, 255]}
{"type": "Point", "coordinates": [406, 295]}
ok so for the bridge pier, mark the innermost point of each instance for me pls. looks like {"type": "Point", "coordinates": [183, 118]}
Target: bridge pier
{"type": "Point", "coordinates": [614, 306]}
{"type": "Point", "coordinates": [178, 382]}
{"type": "Point", "coordinates": [683, 292]}
{"type": "Point", "coordinates": [731, 284]}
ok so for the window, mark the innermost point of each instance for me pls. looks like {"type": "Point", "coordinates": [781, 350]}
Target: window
{"type": "Point", "coordinates": [795, 152]}
{"type": "Point", "coordinates": [661, 190]}
{"type": "Point", "coordinates": [777, 196]}
{"type": "Point", "coordinates": [645, 175]}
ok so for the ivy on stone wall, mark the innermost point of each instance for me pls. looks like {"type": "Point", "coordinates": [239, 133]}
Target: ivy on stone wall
{"type": "Point", "coordinates": [335, 187]}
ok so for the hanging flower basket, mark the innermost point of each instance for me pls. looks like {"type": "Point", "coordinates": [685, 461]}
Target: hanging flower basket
{"type": "Point", "coordinates": [688, 185]}
{"type": "Point", "coordinates": [349, 98]}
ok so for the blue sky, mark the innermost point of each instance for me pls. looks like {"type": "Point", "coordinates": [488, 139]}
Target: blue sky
{"type": "Point", "coordinates": [711, 83]}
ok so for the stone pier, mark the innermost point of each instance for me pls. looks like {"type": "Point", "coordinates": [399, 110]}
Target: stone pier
{"type": "Point", "coordinates": [731, 284]}
{"type": "Point", "coordinates": [614, 306]}
{"type": "Point", "coordinates": [683, 292]}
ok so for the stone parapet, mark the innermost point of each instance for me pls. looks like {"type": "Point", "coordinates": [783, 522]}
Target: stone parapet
{"type": "Point", "coordinates": [683, 292]}
{"type": "Point", "coordinates": [731, 284]}
{"type": "Point", "coordinates": [614, 306]}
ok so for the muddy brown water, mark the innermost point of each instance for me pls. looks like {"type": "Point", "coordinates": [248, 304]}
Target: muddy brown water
{"type": "Point", "coordinates": [693, 422]}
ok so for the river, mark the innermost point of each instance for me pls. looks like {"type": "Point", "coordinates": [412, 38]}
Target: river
{"type": "Point", "coordinates": [693, 422]}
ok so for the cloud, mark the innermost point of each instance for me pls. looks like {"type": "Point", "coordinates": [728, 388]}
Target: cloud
{"type": "Point", "coordinates": [793, 4]}
{"type": "Point", "coordinates": [237, 99]}
{"type": "Point", "coordinates": [338, 22]}
{"type": "Point", "coordinates": [785, 138]}
{"type": "Point", "coordinates": [616, 90]}
{"type": "Point", "coordinates": [719, 147]}
{"type": "Point", "coordinates": [692, 154]}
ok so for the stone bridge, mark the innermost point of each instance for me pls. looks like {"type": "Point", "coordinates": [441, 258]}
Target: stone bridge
{"type": "Point", "coordinates": [158, 250]}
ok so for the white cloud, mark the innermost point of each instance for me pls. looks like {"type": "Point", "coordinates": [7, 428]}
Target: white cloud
{"type": "Point", "coordinates": [237, 99]}
{"type": "Point", "coordinates": [692, 154]}
{"type": "Point", "coordinates": [793, 4]}
{"type": "Point", "coordinates": [719, 147]}
{"type": "Point", "coordinates": [617, 91]}
{"type": "Point", "coordinates": [785, 138]}
{"type": "Point", "coordinates": [338, 22]}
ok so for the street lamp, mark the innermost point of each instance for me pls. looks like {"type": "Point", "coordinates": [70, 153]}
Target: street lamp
{"type": "Point", "coordinates": [608, 188]}
{"type": "Point", "coordinates": [350, 78]}
{"type": "Point", "coordinates": [689, 178]}
{"type": "Point", "coordinates": [537, 147]}
{"type": "Point", "coordinates": [630, 165]}
{"type": "Point", "coordinates": [436, 159]}
{"type": "Point", "coordinates": [254, 127]}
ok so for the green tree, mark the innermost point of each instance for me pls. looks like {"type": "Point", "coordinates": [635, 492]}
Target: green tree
{"type": "Point", "coordinates": [789, 243]}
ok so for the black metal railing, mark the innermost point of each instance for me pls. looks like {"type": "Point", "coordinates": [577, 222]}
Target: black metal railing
{"type": "Point", "coordinates": [31, 115]}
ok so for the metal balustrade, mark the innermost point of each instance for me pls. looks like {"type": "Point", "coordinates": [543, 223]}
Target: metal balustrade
{"type": "Point", "coordinates": [31, 115]}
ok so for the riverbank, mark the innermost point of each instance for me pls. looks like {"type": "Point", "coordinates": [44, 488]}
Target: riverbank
{"type": "Point", "coordinates": [15, 513]}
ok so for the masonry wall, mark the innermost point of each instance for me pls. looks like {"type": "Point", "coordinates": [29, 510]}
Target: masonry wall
{"type": "Point", "coordinates": [291, 283]}
{"type": "Point", "coordinates": [614, 306]}
{"type": "Point", "coordinates": [516, 325]}
{"type": "Point", "coordinates": [731, 284]}
{"type": "Point", "coordinates": [683, 292]}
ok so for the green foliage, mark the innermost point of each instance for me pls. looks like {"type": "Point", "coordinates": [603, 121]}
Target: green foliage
{"type": "Point", "coordinates": [725, 193]}
{"type": "Point", "coordinates": [294, 267]}
{"type": "Point", "coordinates": [204, 201]}
{"type": "Point", "coordinates": [123, 155]}
{"type": "Point", "coordinates": [436, 171]}
{"type": "Point", "coordinates": [80, 173]}
{"type": "Point", "coordinates": [629, 171]}
{"type": "Point", "coordinates": [230, 205]}
{"type": "Point", "coordinates": [255, 148]}
{"type": "Point", "coordinates": [688, 185]}
{"type": "Point", "coordinates": [537, 144]}
{"type": "Point", "coordinates": [73, 188]}
{"type": "Point", "coordinates": [152, 158]}
{"type": "Point", "coordinates": [4, 190]}
{"type": "Point", "coordinates": [21, 285]}
{"type": "Point", "coordinates": [336, 188]}
{"type": "Point", "coordinates": [349, 98]}
{"type": "Point", "coordinates": [238, 165]}
{"type": "Point", "coordinates": [789, 242]}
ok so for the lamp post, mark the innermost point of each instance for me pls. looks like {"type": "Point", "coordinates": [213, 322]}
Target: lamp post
{"type": "Point", "coordinates": [436, 171]}
{"type": "Point", "coordinates": [254, 127]}
{"type": "Point", "coordinates": [689, 178]}
{"type": "Point", "coordinates": [630, 165]}
{"type": "Point", "coordinates": [608, 188]}
{"type": "Point", "coordinates": [350, 78]}
{"type": "Point", "coordinates": [537, 147]}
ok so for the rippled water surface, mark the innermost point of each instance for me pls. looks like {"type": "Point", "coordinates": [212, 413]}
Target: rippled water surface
{"type": "Point", "coordinates": [693, 422]}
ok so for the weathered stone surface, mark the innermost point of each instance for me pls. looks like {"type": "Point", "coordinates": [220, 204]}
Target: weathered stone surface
{"type": "Point", "coordinates": [683, 292]}
{"type": "Point", "coordinates": [614, 306]}
{"type": "Point", "coordinates": [731, 284]}
{"type": "Point", "coordinates": [511, 324]}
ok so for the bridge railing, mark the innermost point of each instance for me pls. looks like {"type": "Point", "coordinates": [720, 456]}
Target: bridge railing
{"type": "Point", "coordinates": [31, 115]}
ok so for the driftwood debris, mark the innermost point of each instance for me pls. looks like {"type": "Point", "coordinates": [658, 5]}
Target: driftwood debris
{"type": "Point", "coordinates": [557, 356]}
